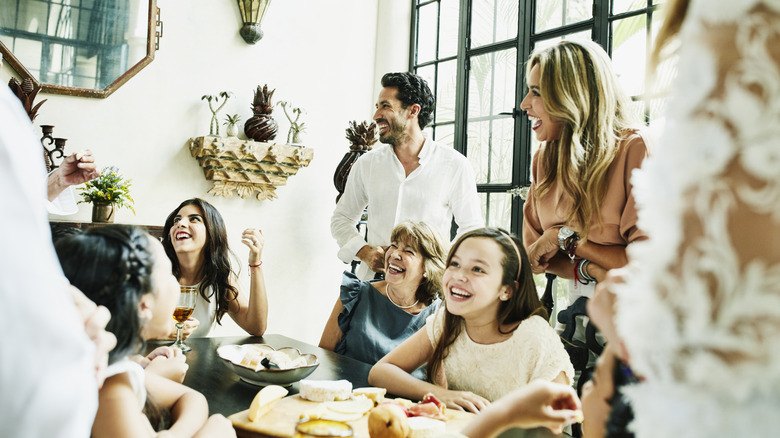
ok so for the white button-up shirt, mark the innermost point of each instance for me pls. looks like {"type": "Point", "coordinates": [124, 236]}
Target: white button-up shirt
{"type": "Point", "coordinates": [442, 187]}
{"type": "Point", "coordinates": [47, 362]}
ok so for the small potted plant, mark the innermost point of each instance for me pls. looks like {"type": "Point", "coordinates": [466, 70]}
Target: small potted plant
{"type": "Point", "coordinates": [108, 191]}
{"type": "Point", "coordinates": [231, 121]}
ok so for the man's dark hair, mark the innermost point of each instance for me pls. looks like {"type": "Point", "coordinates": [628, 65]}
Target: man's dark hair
{"type": "Point", "coordinates": [412, 89]}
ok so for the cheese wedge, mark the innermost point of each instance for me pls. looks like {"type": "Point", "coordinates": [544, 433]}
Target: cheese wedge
{"type": "Point", "coordinates": [325, 390]}
{"type": "Point", "coordinates": [264, 401]}
{"type": "Point", "coordinates": [375, 394]}
{"type": "Point", "coordinates": [423, 427]}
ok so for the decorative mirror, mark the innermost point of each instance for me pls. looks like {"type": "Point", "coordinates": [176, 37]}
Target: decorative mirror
{"type": "Point", "coordinates": [79, 47]}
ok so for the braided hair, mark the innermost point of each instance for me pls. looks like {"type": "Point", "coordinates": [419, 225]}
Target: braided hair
{"type": "Point", "coordinates": [112, 266]}
{"type": "Point", "coordinates": [412, 89]}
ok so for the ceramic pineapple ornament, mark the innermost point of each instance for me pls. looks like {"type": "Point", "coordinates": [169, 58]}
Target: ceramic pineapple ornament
{"type": "Point", "coordinates": [261, 126]}
{"type": "Point", "coordinates": [361, 137]}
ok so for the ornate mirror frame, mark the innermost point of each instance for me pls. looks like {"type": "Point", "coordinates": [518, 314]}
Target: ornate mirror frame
{"type": "Point", "coordinates": [152, 44]}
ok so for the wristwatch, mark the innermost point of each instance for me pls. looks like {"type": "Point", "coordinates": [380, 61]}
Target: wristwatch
{"type": "Point", "coordinates": [564, 234]}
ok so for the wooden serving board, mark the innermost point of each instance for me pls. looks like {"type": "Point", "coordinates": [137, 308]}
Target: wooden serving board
{"type": "Point", "coordinates": [280, 421]}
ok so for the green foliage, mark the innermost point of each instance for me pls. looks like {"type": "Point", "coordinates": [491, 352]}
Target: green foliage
{"type": "Point", "coordinates": [111, 187]}
{"type": "Point", "coordinates": [232, 119]}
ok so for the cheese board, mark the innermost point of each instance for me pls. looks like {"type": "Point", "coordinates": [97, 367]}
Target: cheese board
{"type": "Point", "coordinates": [280, 421]}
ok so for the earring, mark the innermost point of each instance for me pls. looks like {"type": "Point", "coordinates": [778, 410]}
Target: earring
{"type": "Point", "coordinates": [425, 275]}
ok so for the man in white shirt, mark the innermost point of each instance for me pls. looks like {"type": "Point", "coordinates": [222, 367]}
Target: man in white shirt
{"type": "Point", "coordinates": [410, 177]}
{"type": "Point", "coordinates": [54, 352]}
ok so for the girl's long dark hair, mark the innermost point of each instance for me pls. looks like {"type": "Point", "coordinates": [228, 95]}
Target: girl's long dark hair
{"type": "Point", "coordinates": [216, 270]}
{"type": "Point", "coordinates": [112, 266]}
{"type": "Point", "coordinates": [523, 303]}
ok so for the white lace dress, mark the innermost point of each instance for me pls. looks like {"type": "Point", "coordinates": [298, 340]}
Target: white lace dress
{"type": "Point", "coordinates": [534, 351]}
{"type": "Point", "coordinates": [700, 314]}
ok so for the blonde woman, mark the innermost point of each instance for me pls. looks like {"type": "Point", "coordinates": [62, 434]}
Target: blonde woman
{"type": "Point", "coordinates": [580, 214]}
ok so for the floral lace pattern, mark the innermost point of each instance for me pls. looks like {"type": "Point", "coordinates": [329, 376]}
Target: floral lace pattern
{"type": "Point", "coordinates": [700, 313]}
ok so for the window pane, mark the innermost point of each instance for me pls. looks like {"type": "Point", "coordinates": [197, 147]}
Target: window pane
{"type": "Point", "coordinates": [492, 83]}
{"type": "Point", "coordinates": [556, 13]}
{"type": "Point", "coordinates": [426, 32]}
{"type": "Point", "coordinates": [445, 134]}
{"type": "Point", "coordinates": [577, 36]}
{"type": "Point", "coordinates": [620, 6]}
{"type": "Point", "coordinates": [492, 21]}
{"type": "Point", "coordinates": [491, 148]}
{"type": "Point", "coordinates": [497, 209]}
{"type": "Point", "coordinates": [629, 53]}
{"type": "Point", "coordinates": [428, 73]}
{"type": "Point", "coordinates": [490, 137]}
{"type": "Point", "coordinates": [445, 91]}
{"type": "Point", "coordinates": [448, 28]}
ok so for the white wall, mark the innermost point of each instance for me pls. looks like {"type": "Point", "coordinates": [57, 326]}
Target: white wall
{"type": "Point", "coordinates": [325, 57]}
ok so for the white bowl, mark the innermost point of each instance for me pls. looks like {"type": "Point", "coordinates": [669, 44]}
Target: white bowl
{"type": "Point", "coordinates": [259, 375]}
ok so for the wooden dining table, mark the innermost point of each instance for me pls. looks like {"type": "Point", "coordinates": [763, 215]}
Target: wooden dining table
{"type": "Point", "coordinates": [227, 394]}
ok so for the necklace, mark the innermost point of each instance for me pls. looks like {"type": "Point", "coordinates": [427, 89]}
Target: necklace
{"type": "Point", "coordinates": [387, 292]}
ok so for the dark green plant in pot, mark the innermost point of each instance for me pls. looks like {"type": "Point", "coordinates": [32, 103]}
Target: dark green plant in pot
{"type": "Point", "coordinates": [110, 187]}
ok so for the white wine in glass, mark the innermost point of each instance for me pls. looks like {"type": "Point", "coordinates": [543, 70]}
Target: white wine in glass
{"type": "Point", "coordinates": [184, 309]}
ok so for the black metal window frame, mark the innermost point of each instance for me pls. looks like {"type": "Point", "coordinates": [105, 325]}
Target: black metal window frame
{"type": "Point", "coordinates": [600, 25]}
{"type": "Point", "coordinates": [77, 16]}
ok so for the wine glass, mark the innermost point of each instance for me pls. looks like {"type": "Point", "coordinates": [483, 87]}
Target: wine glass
{"type": "Point", "coordinates": [184, 309]}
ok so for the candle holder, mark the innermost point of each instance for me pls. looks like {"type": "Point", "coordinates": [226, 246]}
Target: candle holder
{"type": "Point", "coordinates": [51, 153]}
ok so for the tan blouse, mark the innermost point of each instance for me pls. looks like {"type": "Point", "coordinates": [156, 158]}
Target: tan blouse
{"type": "Point", "coordinates": [618, 211]}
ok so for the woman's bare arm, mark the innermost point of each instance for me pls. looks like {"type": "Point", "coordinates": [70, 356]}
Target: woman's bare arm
{"type": "Point", "coordinates": [332, 334]}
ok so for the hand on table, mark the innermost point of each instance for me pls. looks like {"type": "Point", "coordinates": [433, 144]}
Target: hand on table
{"type": "Point", "coordinates": [253, 238]}
{"type": "Point", "coordinates": [544, 249]}
{"type": "Point", "coordinates": [167, 362]}
{"type": "Point", "coordinates": [373, 257]}
{"type": "Point", "coordinates": [95, 319]}
{"type": "Point", "coordinates": [462, 400]}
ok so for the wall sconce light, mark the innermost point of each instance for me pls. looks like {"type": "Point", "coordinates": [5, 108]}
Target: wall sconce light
{"type": "Point", "coordinates": [252, 12]}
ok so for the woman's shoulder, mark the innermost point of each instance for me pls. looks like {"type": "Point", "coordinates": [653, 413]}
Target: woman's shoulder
{"type": "Point", "coordinates": [633, 149]}
{"type": "Point", "coordinates": [351, 288]}
{"type": "Point", "coordinates": [636, 141]}
{"type": "Point", "coordinates": [118, 386]}
{"type": "Point", "coordinates": [537, 325]}
{"type": "Point", "coordinates": [434, 323]}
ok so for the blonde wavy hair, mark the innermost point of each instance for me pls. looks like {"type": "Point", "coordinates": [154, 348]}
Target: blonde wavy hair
{"type": "Point", "coordinates": [581, 91]}
{"type": "Point", "coordinates": [674, 12]}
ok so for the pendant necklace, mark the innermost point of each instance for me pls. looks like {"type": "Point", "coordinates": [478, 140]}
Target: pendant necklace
{"type": "Point", "coordinates": [387, 292]}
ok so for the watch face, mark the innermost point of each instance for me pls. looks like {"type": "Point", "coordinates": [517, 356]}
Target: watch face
{"type": "Point", "coordinates": [563, 234]}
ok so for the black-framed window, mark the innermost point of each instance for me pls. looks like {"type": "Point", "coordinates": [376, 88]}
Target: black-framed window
{"type": "Point", "coordinates": [473, 53]}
